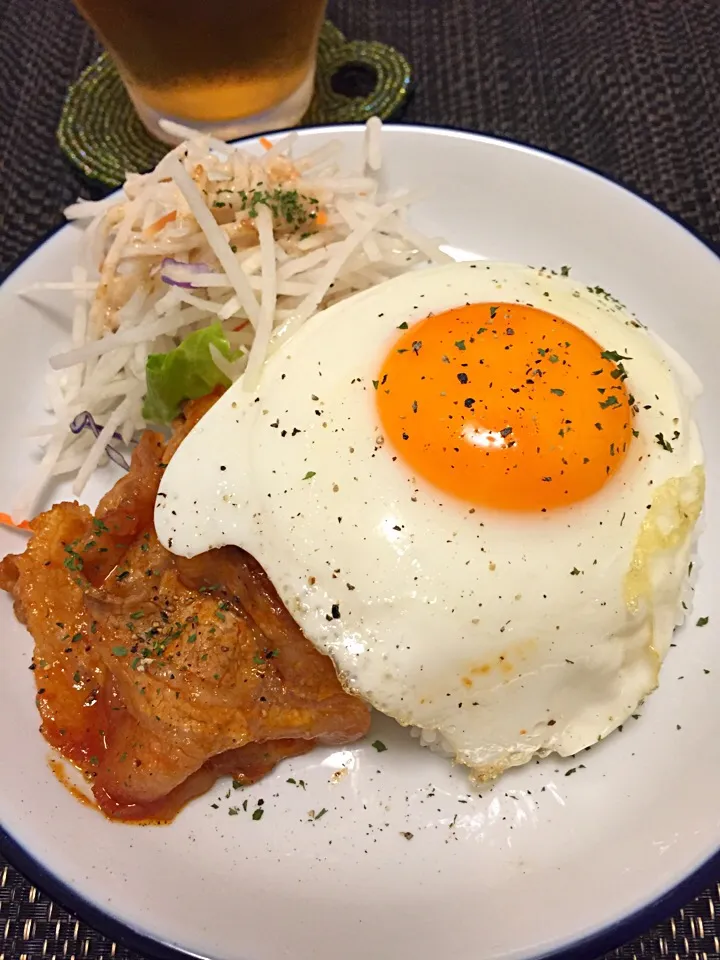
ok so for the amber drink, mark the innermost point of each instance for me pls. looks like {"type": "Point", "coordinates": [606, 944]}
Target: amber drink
{"type": "Point", "coordinates": [232, 67]}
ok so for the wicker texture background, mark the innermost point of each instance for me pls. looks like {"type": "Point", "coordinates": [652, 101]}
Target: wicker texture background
{"type": "Point", "coordinates": [631, 87]}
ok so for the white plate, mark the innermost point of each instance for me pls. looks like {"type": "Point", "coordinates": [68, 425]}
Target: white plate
{"type": "Point", "coordinates": [540, 862]}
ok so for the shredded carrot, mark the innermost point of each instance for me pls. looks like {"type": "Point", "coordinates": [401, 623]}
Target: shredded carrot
{"type": "Point", "coordinates": [241, 326]}
{"type": "Point", "coordinates": [266, 143]}
{"type": "Point", "coordinates": [8, 521]}
{"type": "Point", "coordinates": [321, 218]}
{"type": "Point", "coordinates": [159, 224]}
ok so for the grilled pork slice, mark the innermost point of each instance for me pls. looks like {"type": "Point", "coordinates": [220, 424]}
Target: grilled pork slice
{"type": "Point", "coordinates": [156, 674]}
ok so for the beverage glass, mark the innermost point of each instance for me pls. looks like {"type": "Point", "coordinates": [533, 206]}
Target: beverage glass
{"type": "Point", "coordinates": [227, 67]}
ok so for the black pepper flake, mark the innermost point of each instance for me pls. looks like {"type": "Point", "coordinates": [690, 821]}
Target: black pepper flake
{"type": "Point", "coordinates": [335, 610]}
{"type": "Point", "coordinates": [462, 377]}
{"type": "Point", "coordinates": [469, 401]}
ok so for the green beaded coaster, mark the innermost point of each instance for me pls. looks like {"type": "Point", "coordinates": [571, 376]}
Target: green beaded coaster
{"type": "Point", "coordinates": [102, 134]}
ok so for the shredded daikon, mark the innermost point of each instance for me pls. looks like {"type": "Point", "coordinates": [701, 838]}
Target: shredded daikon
{"type": "Point", "coordinates": [257, 241]}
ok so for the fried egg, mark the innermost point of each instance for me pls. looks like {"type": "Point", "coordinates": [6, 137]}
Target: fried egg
{"type": "Point", "coordinates": [474, 487]}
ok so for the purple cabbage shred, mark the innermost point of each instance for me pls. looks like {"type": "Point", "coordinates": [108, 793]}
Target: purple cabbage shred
{"type": "Point", "coordinates": [170, 262]}
{"type": "Point", "coordinates": [86, 421]}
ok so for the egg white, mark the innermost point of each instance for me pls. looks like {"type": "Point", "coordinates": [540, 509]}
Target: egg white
{"type": "Point", "coordinates": [500, 636]}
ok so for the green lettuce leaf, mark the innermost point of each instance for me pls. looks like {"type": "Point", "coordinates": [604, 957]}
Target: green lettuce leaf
{"type": "Point", "coordinates": [185, 373]}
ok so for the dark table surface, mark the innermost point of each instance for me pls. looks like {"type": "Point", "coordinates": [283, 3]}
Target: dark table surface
{"type": "Point", "coordinates": [630, 87]}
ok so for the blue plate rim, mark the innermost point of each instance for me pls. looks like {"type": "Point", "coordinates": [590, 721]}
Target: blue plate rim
{"type": "Point", "coordinates": [589, 947]}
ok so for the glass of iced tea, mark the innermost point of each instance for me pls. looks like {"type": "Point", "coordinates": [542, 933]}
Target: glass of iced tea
{"type": "Point", "coordinates": [228, 67]}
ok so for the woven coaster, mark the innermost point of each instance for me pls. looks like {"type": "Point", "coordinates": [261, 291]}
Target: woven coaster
{"type": "Point", "coordinates": [102, 134]}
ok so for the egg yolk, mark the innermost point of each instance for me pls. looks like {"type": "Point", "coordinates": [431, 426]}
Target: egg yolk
{"type": "Point", "coordinates": [506, 406]}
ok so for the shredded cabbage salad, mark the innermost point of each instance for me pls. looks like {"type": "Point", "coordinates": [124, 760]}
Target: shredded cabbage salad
{"type": "Point", "coordinates": [197, 272]}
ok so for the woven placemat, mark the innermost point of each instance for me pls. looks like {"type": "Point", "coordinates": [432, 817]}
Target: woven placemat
{"type": "Point", "coordinates": [630, 87]}
{"type": "Point", "coordinates": [101, 133]}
